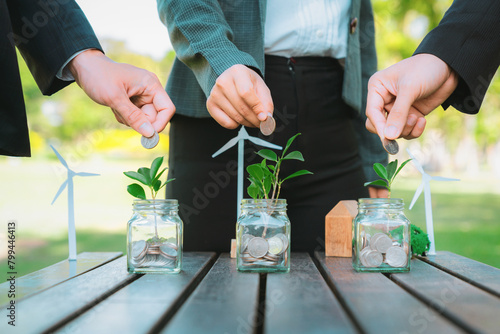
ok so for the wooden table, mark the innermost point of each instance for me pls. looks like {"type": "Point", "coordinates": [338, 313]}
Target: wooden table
{"type": "Point", "coordinates": [446, 293]}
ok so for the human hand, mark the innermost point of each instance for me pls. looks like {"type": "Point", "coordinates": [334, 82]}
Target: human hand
{"type": "Point", "coordinates": [400, 96]}
{"type": "Point", "coordinates": [135, 96]}
{"type": "Point", "coordinates": [239, 96]}
{"type": "Point", "coordinates": [378, 192]}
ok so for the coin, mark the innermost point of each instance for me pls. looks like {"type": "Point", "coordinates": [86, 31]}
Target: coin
{"type": "Point", "coordinates": [245, 238]}
{"type": "Point", "coordinates": [284, 239]}
{"type": "Point", "coordinates": [380, 242]}
{"type": "Point", "coordinates": [150, 142]}
{"type": "Point", "coordinates": [138, 248]}
{"type": "Point", "coordinates": [275, 245]}
{"type": "Point", "coordinates": [169, 250]}
{"type": "Point", "coordinates": [391, 146]}
{"type": "Point", "coordinates": [373, 258]}
{"type": "Point", "coordinates": [396, 257]}
{"type": "Point", "coordinates": [267, 127]}
{"type": "Point", "coordinates": [258, 247]}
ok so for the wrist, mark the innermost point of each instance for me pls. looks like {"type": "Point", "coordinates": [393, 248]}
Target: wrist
{"type": "Point", "coordinates": [83, 61]}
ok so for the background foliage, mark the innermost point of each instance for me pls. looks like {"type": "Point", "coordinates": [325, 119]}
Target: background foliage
{"type": "Point", "coordinates": [454, 145]}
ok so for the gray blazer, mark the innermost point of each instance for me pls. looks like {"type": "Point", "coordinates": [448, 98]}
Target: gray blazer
{"type": "Point", "coordinates": [210, 36]}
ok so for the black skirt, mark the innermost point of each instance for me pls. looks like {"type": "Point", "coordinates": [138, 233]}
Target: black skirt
{"type": "Point", "coordinates": [307, 98]}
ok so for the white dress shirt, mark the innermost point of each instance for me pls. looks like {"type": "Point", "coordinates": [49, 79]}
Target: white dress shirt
{"type": "Point", "coordinates": [296, 28]}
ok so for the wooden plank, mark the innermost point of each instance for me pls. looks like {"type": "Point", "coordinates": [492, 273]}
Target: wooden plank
{"type": "Point", "coordinates": [45, 310]}
{"type": "Point", "coordinates": [302, 302]}
{"type": "Point", "coordinates": [226, 301]}
{"type": "Point", "coordinates": [476, 273]}
{"type": "Point", "coordinates": [47, 277]}
{"type": "Point", "coordinates": [377, 304]}
{"type": "Point", "coordinates": [464, 304]}
{"type": "Point", "coordinates": [146, 302]}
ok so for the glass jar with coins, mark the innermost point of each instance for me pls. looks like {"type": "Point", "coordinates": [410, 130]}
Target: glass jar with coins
{"type": "Point", "coordinates": [263, 236]}
{"type": "Point", "coordinates": [381, 236]}
{"type": "Point", "coordinates": [154, 238]}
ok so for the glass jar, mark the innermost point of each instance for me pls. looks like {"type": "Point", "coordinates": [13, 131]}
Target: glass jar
{"type": "Point", "coordinates": [381, 237]}
{"type": "Point", "coordinates": [263, 236]}
{"type": "Point", "coordinates": [154, 238]}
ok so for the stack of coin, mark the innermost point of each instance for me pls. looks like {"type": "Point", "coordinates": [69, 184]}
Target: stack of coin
{"type": "Point", "coordinates": [257, 251]}
{"type": "Point", "coordinates": [145, 254]}
{"type": "Point", "coordinates": [381, 249]}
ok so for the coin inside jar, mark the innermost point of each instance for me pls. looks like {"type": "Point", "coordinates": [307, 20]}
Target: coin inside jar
{"type": "Point", "coordinates": [258, 247]}
{"type": "Point", "coordinates": [275, 245]}
{"type": "Point", "coordinates": [396, 257]}
{"type": "Point", "coordinates": [380, 242]}
{"type": "Point", "coordinates": [139, 249]}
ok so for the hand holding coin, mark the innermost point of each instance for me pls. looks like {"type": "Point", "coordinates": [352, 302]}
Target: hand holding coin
{"type": "Point", "coordinates": [391, 146]}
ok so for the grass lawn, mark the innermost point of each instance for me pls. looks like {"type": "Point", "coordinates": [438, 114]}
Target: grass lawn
{"type": "Point", "coordinates": [465, 213]}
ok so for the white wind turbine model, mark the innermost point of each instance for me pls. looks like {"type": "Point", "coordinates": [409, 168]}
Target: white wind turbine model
{"type": "Point", "coordinates": [426, 187]}
{"type": "Point", "coordinates": [71, 211]}
{"type": "Point", "coordinates": [240, 139]}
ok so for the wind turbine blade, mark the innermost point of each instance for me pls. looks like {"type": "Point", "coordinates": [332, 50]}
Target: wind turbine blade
{"type": "Point", "coordinates": [264, 143]}
{"type": "Point", "coordinates": [440, 178]}
{"type": "Point", "coordinates": [226, 147]}
{"type": "Point", "coordinates": [86, 174]}
{"type": "Point", "coordinates": [61, 188]}
{"type": "Point", "coordinates": [61, 159]}
{"type": "Point", "coordinates": [415, 162]}
{"type": "Point", "coordinates": [417, 194]}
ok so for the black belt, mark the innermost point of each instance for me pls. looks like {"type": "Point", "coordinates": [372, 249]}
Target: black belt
{"type": "Point", "coordinates": [306, 61]}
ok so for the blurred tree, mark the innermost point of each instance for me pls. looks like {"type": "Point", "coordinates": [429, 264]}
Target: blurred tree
{"type": "Point", "coordinates": [400, 26]}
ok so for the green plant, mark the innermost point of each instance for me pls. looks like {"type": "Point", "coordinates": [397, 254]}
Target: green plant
{"type": "Point", "coordinates": [388, 174]}
{"type": "Point", "coordinates": [150, 177]}
{"type": "Point", "coordinates": [264, 177]}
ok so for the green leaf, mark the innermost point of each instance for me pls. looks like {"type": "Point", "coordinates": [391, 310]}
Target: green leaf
{"type": "Point", "coordinates": [253, 191]}
{"type": "Point", "coordinates": [271, 167]}
{"type": "Point", "coordinates": [256, 171]}
{"type": "Point", "coordinates": [146, 173]}
{"type": "Point", "coordinates": [380, 170]}
{"type": "Point", "coordinates": [267, 186]}
{"type": "Point", "coordinates": [401, 167]}
{"type": "Point", "coordinates": [136, 190]}
{"type": "Point", "coordinates": [268, 154]}
{"type": "Point", "coordinates": [155, 166]}
{"type": "Point", "coordinates": [295, 155]}
{"type": "Point", "coordinates": [298, 173]}
{"type": "Point", "coordinates": [290, 141]}
{"type": "Point", "coordinates": [382, 183]}
{"type": "Point", "coordinates": [391, 169]}
{"type": "Point", "coordinates": [138, 177]}
{"type": "Point", "coordinates": [156, 185]}
{"type": "Point", "coordinates": [157, 177]}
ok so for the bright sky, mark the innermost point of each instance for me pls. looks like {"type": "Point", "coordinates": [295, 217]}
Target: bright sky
{"type": "Point", "coordinates": [134, 21]}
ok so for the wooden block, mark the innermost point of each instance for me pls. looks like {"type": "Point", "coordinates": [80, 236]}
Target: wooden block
{"type": "Point", "coordinates": [338, 229]}
{"type": "Point", "coordinates": [233, 248]}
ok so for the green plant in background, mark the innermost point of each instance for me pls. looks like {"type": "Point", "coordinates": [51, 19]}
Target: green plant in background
{"type": "Point", "coordinates": [264, 178]}
{"type": "Point", "coordinates": [420, 242]}
{"type": "Point", "coordinates": [150, 177]}
{"type": "Point", "coordinates": [388, 174]}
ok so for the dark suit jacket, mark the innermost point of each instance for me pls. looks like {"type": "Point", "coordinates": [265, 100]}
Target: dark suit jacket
{"type": "Point", "coordinates": [468, 40]}
{"type": "Point", "coordinates": [210, 36]}
{"type": "Point", "coordinates": [47, 33]}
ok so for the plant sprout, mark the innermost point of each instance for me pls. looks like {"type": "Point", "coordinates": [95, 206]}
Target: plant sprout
{"type": "Point", "coordinates": [150, 177]}
{"type": "Point", "coordinates": [264, 178]}
{"type": "Point", "coordinates": [388, 174]}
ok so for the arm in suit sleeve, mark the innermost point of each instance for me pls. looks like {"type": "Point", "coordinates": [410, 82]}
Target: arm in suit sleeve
{"type": "Point", "coordinates": [202, 39]}
{"type": "Point", "coordinates": [468, 40]}
{"type": "Point", "coordinates": [48, 33]}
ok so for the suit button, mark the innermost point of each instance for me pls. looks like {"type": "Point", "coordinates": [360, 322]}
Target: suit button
{"type": "Point", "coordinates": [353, 25]}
